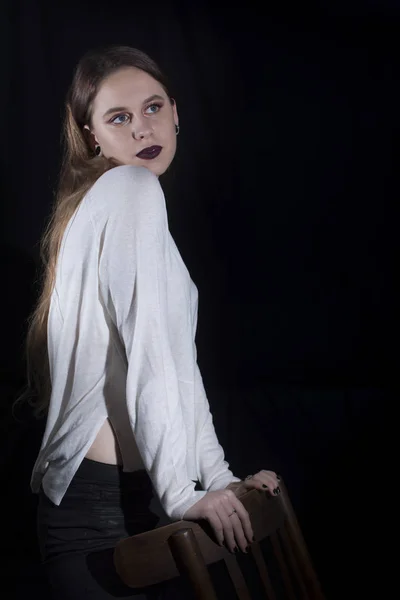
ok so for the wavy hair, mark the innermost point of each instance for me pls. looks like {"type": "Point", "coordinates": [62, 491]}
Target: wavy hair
{"type": "Point", "coordinates": [79, 171]}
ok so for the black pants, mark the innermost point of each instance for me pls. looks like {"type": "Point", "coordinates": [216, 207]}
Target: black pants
{"type": "Point", "coordinates": [101, 506]}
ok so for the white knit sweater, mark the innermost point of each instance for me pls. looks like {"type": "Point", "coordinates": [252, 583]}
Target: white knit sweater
{"type": "Point", "coordinates": [121, 334]}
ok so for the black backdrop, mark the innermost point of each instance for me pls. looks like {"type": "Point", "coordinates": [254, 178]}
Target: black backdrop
{"type": "Point", "coordinates": [281, 200]}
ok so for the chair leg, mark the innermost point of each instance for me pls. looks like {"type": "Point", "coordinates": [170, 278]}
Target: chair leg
{"type": "Point", "coordinates": [299, 546]}
{"type": "Point", "coordinates": [190, 563]}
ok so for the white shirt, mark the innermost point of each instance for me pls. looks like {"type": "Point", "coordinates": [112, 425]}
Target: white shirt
{"type": "Point", "coordinates": [121, 344]}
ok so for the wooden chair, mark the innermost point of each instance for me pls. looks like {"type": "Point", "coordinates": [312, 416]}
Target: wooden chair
{"type": "Point", "coordinates": [186, 548]}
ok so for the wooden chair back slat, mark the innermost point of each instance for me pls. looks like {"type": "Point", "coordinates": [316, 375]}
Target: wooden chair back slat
{"type": "Point", "coordinates": [237, 578]}
{"type": "Point", "coordinates": [190, 563]}
{"type": "Point", "coordinates": [299, 547]}
{"type": "Point", "coordinates": [283, 566]}
{"type": "Point", "coordinates": [293, 562]}
{"type": "Point", "coordinates": [263, 571]}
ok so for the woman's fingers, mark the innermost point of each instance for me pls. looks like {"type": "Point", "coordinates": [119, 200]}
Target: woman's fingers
{"type": "Point", "coordinates": [271, 477]}
{"type": "Point", "coordinates": [269, 482]}
{"type": "Point", "coordinates": [216, 523]}
{"type": "Point", "coordinates": [227, 516]}
{"type": "Point", "coordinates": [265, 480]}
{"type": "Point", "coordinates": [237, 526]}
{"type": "Point", "coordinates": [228, 527]}
{"type": "Point", "coordinates": [243, 518]}
{"type": "Point", "coordinates": [231, 524]}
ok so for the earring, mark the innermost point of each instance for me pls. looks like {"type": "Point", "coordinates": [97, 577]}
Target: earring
{"type": "Point", "coordinates": [177, 129]}
{"type": "Point", "coordinates": [97, 150]}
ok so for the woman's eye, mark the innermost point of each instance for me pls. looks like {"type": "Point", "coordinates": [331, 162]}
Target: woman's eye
{"type": "Point", "coordinates": [120, 119]}
{"type": "Point", "coordinates": [153, 108]}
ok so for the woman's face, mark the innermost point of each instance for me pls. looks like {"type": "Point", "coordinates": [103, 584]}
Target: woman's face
{"type": "Point", "coordinates": [132, 113]}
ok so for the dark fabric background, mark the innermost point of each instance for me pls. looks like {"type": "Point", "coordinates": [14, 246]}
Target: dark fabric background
{"type": "Point", "coordinates": [282, 201]}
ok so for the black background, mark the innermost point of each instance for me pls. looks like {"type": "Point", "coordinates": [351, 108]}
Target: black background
{"type": "Point", "coordinates": [282, 202]}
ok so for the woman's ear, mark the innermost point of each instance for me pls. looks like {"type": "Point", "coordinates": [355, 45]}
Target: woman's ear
{"type": "Point", "coordinates": [88, 131]}
{"type": "Point", "coordinates": [90, 137]}
{"type": "Point", "coordinates": [175, 111]}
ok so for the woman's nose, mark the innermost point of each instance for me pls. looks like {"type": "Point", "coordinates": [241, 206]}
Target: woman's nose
{"type": "Point", "coordinates": [141, 131]}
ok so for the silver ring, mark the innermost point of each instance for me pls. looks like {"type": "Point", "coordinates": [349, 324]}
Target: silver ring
{"type": "Point", "coordinates": [234, 510]}
{"type": "Point", "coordinates": [249, 477]}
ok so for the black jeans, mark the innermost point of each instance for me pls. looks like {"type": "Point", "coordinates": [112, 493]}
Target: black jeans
{"type": "Point", "coordinates": [101, 506]}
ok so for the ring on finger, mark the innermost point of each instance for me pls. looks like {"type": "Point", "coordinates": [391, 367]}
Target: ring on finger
{"type": "Point", "coordinates": [233, 512]}
{"type": "Point", "coordinates": [249, 477]}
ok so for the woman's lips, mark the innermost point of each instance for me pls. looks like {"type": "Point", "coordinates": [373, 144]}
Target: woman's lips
{"type": "Point", "coordinates": [149, 153]}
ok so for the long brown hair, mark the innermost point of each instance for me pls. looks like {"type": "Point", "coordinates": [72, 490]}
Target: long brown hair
{"type": "Point", "coordinates": [80, 169]}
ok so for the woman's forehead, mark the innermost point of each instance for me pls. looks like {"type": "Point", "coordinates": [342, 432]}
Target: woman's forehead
{"type": "Point", "coordinates": [128, 85]}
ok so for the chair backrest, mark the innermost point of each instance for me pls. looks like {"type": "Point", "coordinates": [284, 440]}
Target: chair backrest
{"type": "Point", "coordinates": [186, 548]}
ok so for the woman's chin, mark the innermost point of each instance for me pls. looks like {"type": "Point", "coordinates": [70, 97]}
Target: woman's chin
{"type": "Point", "coordinates": [154, 166]}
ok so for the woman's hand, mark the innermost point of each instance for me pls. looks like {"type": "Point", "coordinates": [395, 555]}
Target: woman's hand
{"type": "Point", "coordinates": [227, 516]}
{"type": "Point", "coordinates": [263, 480]}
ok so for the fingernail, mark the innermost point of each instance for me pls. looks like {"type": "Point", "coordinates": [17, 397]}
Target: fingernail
{"type": "Point", "coordinates": [264, 486]}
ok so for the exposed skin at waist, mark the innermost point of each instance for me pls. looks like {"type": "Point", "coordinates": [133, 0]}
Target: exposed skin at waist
{"type": "Point", "coordinates": [105, 447]}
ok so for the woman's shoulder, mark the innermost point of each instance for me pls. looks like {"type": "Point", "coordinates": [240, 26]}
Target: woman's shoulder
{"type": "Point", "coordinates": [123, 174]}
{"type": "Point", "coordinates": [124, 178]}
{"type": "Point", "coordinates": [125, 188]}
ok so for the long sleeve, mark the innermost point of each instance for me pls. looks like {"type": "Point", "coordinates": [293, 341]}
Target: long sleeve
{"type": "Point", "coordinates": [137, 275]}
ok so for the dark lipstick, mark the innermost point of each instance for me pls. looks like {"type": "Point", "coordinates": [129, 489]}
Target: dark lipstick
{"type": "Point", "coordinates": [149, 153]}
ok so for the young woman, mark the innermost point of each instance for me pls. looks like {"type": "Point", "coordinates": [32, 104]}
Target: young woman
{"type": "Point", "coordinates": [111, 347]}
